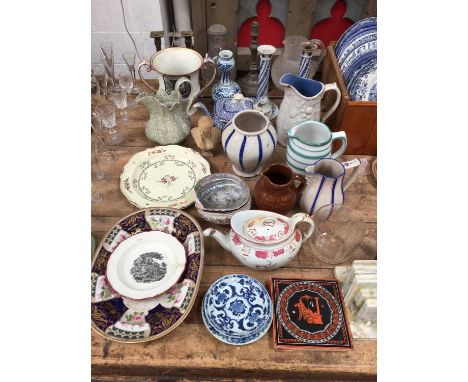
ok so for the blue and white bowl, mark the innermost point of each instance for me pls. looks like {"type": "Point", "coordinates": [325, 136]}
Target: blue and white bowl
{"type": "Point", "coordinates": [237, 309]}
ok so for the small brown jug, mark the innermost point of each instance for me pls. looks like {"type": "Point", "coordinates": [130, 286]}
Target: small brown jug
{"type": "Point", "coordinates": [275, 190]}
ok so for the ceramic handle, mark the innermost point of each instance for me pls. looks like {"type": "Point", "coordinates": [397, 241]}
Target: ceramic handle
{"type": "Point", "coordinates": [159, 76]}
{"type": "Point", "coordinates": [333, 87]}
{"type": "Point", "coordinates": [302, 184]}
{"type": "Point", "coordinates": [341, 135]}
{"type": "Point", "coordinates": [301, 217]}
{"type": "Point", "coordinates": [207, 61]}
{"type": "Point", "coordinates": [356, 163]}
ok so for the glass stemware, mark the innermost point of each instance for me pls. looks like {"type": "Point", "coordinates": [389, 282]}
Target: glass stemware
{"type": "Point", "coordinates": [107, 50]}
{"type": "Point", "coordinates": [99, 73]}
{"type": "Point", "coordinates": [98, 129]}
{"type": "Point", "coordinates": [129, 58]}
{"type": "Point", "coordinates": [126, 84]}
{"type": "Point", "coordinates": [106, 112]}
{"type": "Point", "coordinates": [119, 97]}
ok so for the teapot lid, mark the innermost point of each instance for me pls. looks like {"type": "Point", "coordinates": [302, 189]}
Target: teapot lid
{"type": "Point", "coordinates": [227, 107]}
{"type": "Point", "coordinates": [267, 229]}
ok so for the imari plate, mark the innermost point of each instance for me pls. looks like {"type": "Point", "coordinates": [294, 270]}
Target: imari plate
{"type": "Point", "coordinates": [309, 314]}
{"type": "Point", "coordinates": [123, 319]}
{"type": "Point", "coordinates": [163, 176]}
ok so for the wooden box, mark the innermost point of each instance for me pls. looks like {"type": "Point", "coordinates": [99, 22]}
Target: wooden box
{"type": "Point", "coordinates": [357, 118]}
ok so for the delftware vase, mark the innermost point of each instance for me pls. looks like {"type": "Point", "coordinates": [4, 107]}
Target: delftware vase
{"type": "Point", "coordinates": [301, 102]}
{"type": "Point", "coordinates": [262, 239]}
{"type": "Point", "coordinates": [276, 190]}
{"type": "Point", "coordinates": [310, 141]}
{"type": "Point", "coordinates": [249, 140]}
{"type": "Point", "coordinates": [169, 121]}
{"type": "Point", "coordinates": [226, 87]}
{"type": "Point", "coordinates": [325, 183]}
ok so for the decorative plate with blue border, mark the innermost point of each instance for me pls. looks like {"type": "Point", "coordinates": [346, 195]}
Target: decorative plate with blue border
{"type": "Point", "coordinates": [356, 53]}
{"type": "Point", "coordinates": [237, 309]}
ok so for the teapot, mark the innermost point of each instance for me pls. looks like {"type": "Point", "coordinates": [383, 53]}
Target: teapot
{"type": "Point", "coordinates": [262, 239]}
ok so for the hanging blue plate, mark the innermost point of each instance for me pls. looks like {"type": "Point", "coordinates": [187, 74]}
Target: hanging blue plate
{"type": "Point", "coordinates": [237, 309]}
{"type": "Point", "coordinates": [353, 33]}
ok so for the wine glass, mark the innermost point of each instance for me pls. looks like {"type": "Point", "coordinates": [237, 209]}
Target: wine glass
{"type": "Point", "coordinates": [99, 73]}
{"type": "Point", "coordinates": [98, 129]}
{"type": "Point", "coordinates": [96, 148]}
{"type": "Point", "coordinates": [106, 112]}
{"type": "Point", "coordinates": [119, 97]}
{"type": "Point", "coordinates": [107, 50]}
{"type": "Point", "coordinates": [129, 58]}
{"type": "Point", "coordinates": [126, 84]}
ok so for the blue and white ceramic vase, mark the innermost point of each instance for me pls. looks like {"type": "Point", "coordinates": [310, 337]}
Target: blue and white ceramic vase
{"type": "Point", "coordinates": [249, 140]}
{"type": "Point", "coordinates": [226, 87]}
{"type": "Point", "coordinates": [263, 102]}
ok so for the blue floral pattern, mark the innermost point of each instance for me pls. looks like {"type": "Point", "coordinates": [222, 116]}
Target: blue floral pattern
{"type": "Point", "coordinates": [237, 309]}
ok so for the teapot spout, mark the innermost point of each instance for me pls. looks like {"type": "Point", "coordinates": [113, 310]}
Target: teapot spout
{"type": "Point", "coordinates": [221, 238]}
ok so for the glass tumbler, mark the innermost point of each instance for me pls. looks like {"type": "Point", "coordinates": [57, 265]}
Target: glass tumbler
{"type": "Point", "coordinates": [339, 230]}
{"type": "Point", "coordinates": [119, 97]}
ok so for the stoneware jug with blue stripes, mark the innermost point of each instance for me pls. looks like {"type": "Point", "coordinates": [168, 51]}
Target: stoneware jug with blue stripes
{"type": "Point", "coordinates": [248, 140]}
{"type": "Point", "coordinates": [325, 183]}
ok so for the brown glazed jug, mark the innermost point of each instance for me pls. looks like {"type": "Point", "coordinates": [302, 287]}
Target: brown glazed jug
{"type": "Point", "coordinates": [275, 190]}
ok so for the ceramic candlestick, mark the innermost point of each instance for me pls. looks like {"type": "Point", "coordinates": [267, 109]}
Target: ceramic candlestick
{"type": "Point", "coordinates": [206, 135]}
{"type": "Point", "coordinates": [263, 102]}
{"type": "Point", "coordinates": [306, 57]}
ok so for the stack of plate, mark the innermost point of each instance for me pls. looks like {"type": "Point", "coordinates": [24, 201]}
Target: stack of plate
{"type": "Point", "coordinates": [220, 196]}
{"type": "Point", "coordinates": [237, 309]}
{"type": "Point", "coordinates": [356, 52]}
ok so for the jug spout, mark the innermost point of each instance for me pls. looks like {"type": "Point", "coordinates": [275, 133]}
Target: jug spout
{"type": "Point", "coordinates": [221, 238]}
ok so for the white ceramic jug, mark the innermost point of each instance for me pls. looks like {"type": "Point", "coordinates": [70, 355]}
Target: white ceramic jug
{"type": "Point", "coordinates": [325, 183]}
{"type": "Point", "coordinates": [301, 102]}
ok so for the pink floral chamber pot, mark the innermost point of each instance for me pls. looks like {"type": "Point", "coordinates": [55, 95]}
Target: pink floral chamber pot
{"type": "Point", "coordinates": [145, 275]}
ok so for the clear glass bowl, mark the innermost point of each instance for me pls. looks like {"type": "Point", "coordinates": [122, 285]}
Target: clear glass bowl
{"type": "Point", "coordinates": [339, 230]}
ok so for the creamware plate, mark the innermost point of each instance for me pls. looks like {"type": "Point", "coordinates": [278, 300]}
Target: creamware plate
{"type": "Point", "coordinates": [163, 176]}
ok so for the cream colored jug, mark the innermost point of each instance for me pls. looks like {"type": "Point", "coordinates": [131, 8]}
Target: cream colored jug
{"type": "Point", "coordinates": [301, 102]}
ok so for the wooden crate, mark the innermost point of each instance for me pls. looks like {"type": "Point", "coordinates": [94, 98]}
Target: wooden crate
{"type": "Point", "coordinates": [357, 118]}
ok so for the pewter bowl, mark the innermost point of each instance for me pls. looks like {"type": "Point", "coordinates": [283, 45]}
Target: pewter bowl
{"type": "Point", "coordinates": [221, 192]}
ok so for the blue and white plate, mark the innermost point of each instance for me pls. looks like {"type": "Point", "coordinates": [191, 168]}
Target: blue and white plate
{"type": "Point", "coordinates": [237, 309]}
{"type": "Point", "coordinates": [354, 32]}
{"type": "Point", "coordinates": [356, 52]}
{"type": "Point", "coordinates": [363, 85]}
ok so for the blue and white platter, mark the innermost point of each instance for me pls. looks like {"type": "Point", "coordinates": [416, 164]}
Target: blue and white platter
{"type": "Point", "coordinates": [356, 53]}
{"type": "Point", "coordinates": [237, 309]}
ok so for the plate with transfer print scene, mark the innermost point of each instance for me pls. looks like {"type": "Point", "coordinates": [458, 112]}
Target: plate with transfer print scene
{"type": "Point", "coordinates": [156, 252]}
{"type": "Point", "coordinates": [309, 314]}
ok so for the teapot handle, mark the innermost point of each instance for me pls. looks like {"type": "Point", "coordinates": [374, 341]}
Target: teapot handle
{"type": "Point", "coordinates": [335, 88]}
{"type": "Point", "coordinates": [356, 163]}
{"type": "Point", "coordinates": [302, 217]}
{"type": "Point", "coordinates": [179, 82]}
{"type": "Point", "coordinates": [302, 183]}
{"type": "Point", "coordinates": [149, 68]}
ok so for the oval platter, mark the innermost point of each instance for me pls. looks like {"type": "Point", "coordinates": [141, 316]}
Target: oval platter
{"type": "Point", "coordinates": [124, 320]}
{"type": "Point", "coordinates": [163, 176]}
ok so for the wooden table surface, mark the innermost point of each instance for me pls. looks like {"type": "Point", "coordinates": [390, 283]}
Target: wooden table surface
{"type": "Point", "coordinates": [190, 352]}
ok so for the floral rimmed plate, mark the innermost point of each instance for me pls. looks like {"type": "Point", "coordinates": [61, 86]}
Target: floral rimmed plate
{"type": "Point", "coordinates": [121, 319]}
{"type": "Point", "coordinates": [163, 176]}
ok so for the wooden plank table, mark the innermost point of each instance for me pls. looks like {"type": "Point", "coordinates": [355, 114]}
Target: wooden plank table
{"type": "Point", "coordinates": [190, 352]}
